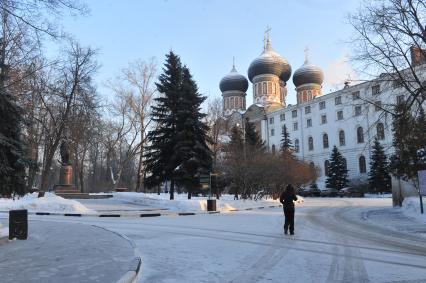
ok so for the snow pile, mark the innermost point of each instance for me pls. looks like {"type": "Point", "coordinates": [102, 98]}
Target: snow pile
{"type": "Point", "coordinates": [378, 195]}
{"type": "Point", "coordinates": [182, 203]}
{"type": "Point", "coordinates": [4, 232]}
{"type": "Point", "coordinates": [411, 207]}
{"type": "Point", "coordinates": [49, 203]}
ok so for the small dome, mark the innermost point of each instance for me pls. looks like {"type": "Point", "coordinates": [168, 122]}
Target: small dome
{"type": "Point", "coordinates": [308, 74]}
{"type": "Point", "coordinates": [233, 81]}
{"type": "Point", "coordinates": [270, 62]}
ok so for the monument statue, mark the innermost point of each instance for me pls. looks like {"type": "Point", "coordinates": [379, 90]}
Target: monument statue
{"type": "Point", "coordinates": [65, 152]}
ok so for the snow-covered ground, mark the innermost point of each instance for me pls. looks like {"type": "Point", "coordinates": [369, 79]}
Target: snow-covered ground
{"type": "Point", "coordinates": [411, 208]}
{"type": "Point", "coordinates": [49, 203]}
{"type": "Point", "coordinates": [181, 202]}
{"type": "Point", "coordinates": [333, 243]}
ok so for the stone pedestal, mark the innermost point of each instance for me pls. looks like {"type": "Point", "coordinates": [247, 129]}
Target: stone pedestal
{"type": "Point", "coordinates": [65, 181]}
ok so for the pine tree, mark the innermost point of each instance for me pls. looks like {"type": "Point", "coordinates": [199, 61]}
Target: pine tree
{"type": "Point", "coordinates": [253, 140]}
{"type": "Point", "coordinates": [12, 158]}
{"type": "Point", "coordinates": [337, 172]}
{"type": "Point", "coordinates": [191, 150]}
{"type": "Point", "coordinates": [286, 145]}
{"type": "Point", "coordinates": [162, 139]}
{"type": "Point", "coordinates": [378, 177]}
{"type": "Point", "coordinates": [409, 141]}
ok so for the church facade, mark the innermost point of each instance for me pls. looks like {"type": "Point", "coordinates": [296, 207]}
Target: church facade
{"type": "Point", "coordinates": [349, 118]}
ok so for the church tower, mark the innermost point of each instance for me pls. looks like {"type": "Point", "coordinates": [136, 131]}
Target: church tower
{"type": "Point", "coordinates": [308, 80]}
{"type": "Point", "coordinates": [269, 74]}
{"type": "Point", "coordinates": [233, 87]}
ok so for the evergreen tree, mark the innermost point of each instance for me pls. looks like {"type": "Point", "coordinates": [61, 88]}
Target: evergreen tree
{"type": "Point", "coordinates": [378, 177]}
{"type": "Point", "coordinates": [409, 141]}
{"type": "Point", "coordinates": [191, 150]}
{"type": "Point", "coordinates": [162, 139]}
{"type": "Point", "coordinates": [253, 140]}
{"type": "Point", "coordinates": [12, 157]}
{"type": "Point", "coordinates": [337, 172]}
{"type": "Point", "coordinates": [286, 145]}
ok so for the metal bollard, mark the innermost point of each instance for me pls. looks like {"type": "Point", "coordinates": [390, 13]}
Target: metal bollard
{"type": "Point", "coordinates": [18, 224]}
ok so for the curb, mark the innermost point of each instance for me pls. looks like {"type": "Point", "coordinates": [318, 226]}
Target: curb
{"type": "Point", "coordinates": [131, 275]}
{"type": "Point", "coordinates": [143, 215]}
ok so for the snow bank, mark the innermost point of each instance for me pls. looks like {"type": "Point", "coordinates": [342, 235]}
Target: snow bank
{"type": "Point", "coordinates": [4, 231]}
{"type": "Point", "coordinates": [49, 203]}
{"type": "Point", "coordinates": [182, 203]}
{"type": "Point", "coordinates": [378, 195]}
{"type": "Point", "coordinates": [411, 207]}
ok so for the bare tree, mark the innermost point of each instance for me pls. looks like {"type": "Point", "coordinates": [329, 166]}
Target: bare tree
{"type": "Point", "coordinates": [217, 126]}
{"type": "Point", "coordinates": [391, 39]}
{"type": "Point", "coordinates": [70, 80]}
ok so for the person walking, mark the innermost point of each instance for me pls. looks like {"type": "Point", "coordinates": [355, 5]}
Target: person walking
{"type": "Point", "coordinates": [287, 198]}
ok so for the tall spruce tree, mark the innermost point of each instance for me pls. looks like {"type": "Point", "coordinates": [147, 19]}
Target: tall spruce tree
{"type": "Point", "coordinates": [253, 141]}
{"type": "Point", "coordinates": [191, 150]}
{"type": "Point", "coordinates": [162, 139]}
{"type": "Point", "coordinates": [409, 141]}
{"type": "Point", "coordinates": [378, 177]}
{"type": "Point", "coordinates": [12, 157]}
{"type": "Point", "coordinates": [286, 145]}
{"type": "Point", "coordinates": [337, 172]}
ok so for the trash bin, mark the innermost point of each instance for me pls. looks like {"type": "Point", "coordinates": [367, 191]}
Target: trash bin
{"type": "Point", "coordinates": [18, 224]}
{"type": "Point", "coordinates": [211, 205]}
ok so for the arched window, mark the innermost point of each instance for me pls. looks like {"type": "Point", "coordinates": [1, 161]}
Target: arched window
{"type": "Point", "coordinates": [273, 149]}
{"type": "Point", "coordinates": [259, 89]}
{"type": "Point", "coordinates": [326, 167]}
{"type": "Point", "coordinates": [310, 143]}
{"type": "Point", "coordinates": [226, 103]}
{"type": "Point", "coordinates": [325, 140]}
{"type": "Point", "coordinates": [274, 88]}
{"type": "Point", "coordinates": [362, 167]}
{"type": "Point", "coordinates": [309, 95]}
{"type": "Point", "coordinates": [296, 145]}
{"type": "Point", "coordinates": [360, 135]}
{"type": "Point", "coordinates": [342, 137]}
{"type": "Point", "coordinates": [305, 96]}
{"type": "Point", "coordinates": [265, 89]}
{"type": "Point", "coordinates": [270, 87]}
{"type": "Point", "coordinates": [232, 103]}
{"type": "Point", "coordinates": [380, 131]}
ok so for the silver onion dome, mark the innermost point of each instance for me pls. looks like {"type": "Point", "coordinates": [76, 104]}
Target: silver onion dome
{"type": "Point", "coordinates": [270, 62]}
{"type": "Point", "coordinates": [308, 74]}
{"type": "Point", "coordinates": [233, 81]}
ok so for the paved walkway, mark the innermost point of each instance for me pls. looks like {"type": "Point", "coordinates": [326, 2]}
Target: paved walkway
{"type": "Point", "coordinates": [65, 252]}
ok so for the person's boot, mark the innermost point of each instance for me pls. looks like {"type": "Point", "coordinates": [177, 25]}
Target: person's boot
{"type": "Point", "coordinates": [291, 233]}
{"type": "Point", "coordinates": [285, 231]}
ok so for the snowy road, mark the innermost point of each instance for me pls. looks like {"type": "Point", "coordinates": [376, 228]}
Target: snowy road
{"type": "Point", "coordinates": [332, 244]}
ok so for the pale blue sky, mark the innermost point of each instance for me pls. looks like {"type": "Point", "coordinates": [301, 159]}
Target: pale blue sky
{"type": "Point", "coordinates": [207, 34]}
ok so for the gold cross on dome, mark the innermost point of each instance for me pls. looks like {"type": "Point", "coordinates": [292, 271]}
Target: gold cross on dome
{"type": "Point", "coordinates": [267, 32]}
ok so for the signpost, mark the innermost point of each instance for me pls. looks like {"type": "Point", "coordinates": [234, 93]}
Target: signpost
{"type": "Point", "coordinates": [206, 182]}
{"type": "Point", "coordinates": [422, 186]}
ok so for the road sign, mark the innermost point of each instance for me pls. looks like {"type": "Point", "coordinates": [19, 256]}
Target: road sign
{"type": "Point", "coordinates": [422, 182]}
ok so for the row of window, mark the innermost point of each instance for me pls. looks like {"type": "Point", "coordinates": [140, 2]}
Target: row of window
{"type": "Point", "coordinates": [339, 114]}
{"type": "Point", "coordinates": [234, 102]}
{"type": "Point", "coordinates": [265, 88]}
{"type": "Point", "coordinates": [362, 166]}
{"type": "Point", "coordinates": [380, 134]}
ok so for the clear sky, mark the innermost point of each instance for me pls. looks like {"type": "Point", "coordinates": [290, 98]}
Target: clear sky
{"type": "Point", "coordinates": [206, 34]}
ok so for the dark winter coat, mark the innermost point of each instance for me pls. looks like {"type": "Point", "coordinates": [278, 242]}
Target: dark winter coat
{"type": "Point", "coordinates": [287, 197]}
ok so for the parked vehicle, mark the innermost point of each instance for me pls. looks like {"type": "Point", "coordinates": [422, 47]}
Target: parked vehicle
{"type": "Point", "coordinates": [329, 193]}
{"type": "Point", "coordinates": [351, 193]}
{"type": "Point", "coordinates": [309, 192]}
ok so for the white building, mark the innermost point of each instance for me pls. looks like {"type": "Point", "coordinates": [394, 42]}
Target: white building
{"type": "Point", "coordinates": [349, 118]}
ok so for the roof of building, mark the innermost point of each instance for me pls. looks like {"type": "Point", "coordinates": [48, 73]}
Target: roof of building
{"type": "Point", "coordinates": [269, 62]}
{"type": "Point", "coordinates": [233, 81]}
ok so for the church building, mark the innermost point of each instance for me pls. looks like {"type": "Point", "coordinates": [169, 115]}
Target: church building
{"type": "Point", "coordinates": [349, 118]}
